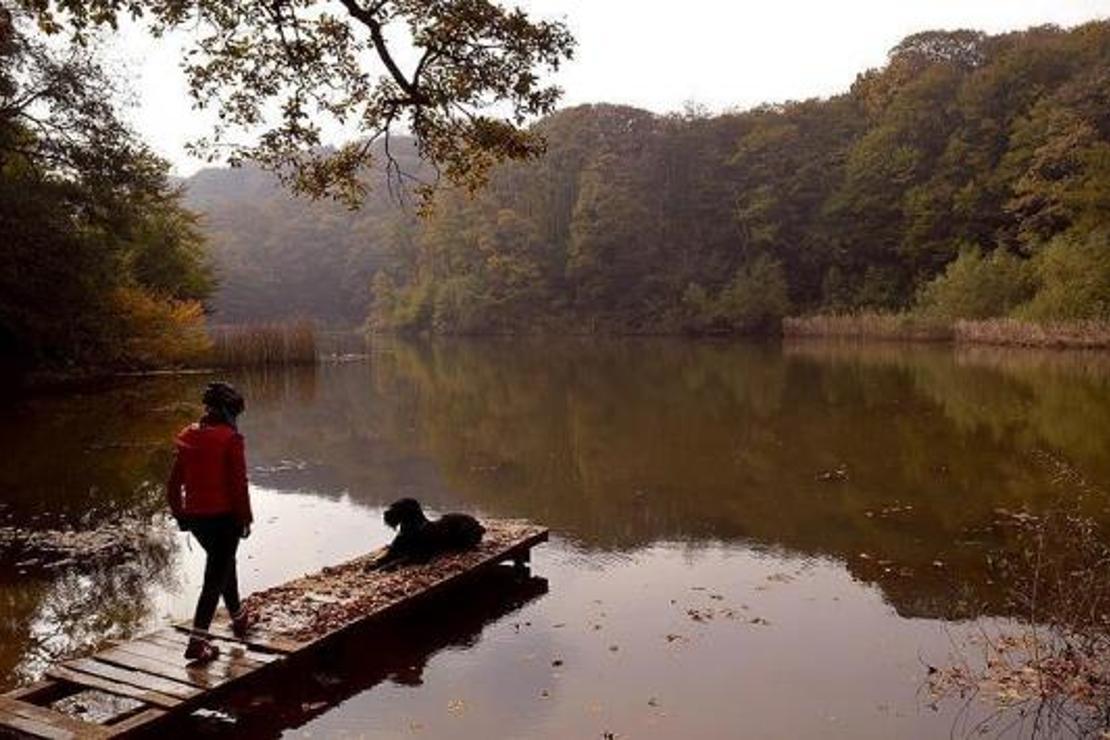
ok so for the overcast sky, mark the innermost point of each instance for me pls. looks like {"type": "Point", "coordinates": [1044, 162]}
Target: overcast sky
{"type": "Point", "coordinates": [660, 55]}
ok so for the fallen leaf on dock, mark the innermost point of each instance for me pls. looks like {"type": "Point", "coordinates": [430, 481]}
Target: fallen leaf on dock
{"type": "Point", "coordinates": [313, 605]}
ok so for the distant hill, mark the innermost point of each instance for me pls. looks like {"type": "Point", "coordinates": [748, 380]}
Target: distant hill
{"type": "Point", "coordinates": [279, 256]}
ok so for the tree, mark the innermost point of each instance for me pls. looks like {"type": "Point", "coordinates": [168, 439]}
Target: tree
{"type": "Point", "coordinates": [978, 287]}
{"type": "Point", "coordinates": [101, 263]}
{"type": "Point", "coordinates": [1074, 271]}
{"type": "Point", "coordinates": [474, 83]}
{"type": "Point", "coordinates": [633, 222]}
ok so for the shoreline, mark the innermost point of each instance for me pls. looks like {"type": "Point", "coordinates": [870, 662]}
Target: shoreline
{"type": "Point", "coordinates": [1085, 336]}
{"type": "Point", "coordinates": [874, 327]}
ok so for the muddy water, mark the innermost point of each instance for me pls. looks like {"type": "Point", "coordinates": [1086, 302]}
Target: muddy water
{"type": "Point", "coordinates": [755, 541]}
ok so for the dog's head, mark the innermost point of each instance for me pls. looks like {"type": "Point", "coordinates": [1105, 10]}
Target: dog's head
{"type": "Point", "coordinates": [404, 511]}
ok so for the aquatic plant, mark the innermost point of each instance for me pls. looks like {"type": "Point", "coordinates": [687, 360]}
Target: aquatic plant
{"type": "Point", "coordinates": [868, 325]}
{"type": "Point", "coordinates": [263, 345]}
{"type": "Point", "coordinates": [1048, 671]}
{"type": "Point", "coordinates": [1088, 334]}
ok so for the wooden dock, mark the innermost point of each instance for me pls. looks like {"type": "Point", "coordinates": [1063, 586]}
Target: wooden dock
{"type": "Point", "coordinates": [149, 683]}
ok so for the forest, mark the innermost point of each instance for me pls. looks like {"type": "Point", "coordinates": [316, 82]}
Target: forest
{"type": "Point", "coordinates": [101, 263]}
{"type": "Point", "coordinates": [969, 177]}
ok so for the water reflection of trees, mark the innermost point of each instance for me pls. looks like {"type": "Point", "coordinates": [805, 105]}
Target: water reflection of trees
{"type": "Point", "coordinates": [621, 444]}
{"type": "Point", "coordinates": [46, 617]}
{"type": "Point", "coordinates": [92, 455]}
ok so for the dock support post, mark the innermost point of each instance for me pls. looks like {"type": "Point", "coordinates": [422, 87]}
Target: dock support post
{"type": "Point", "coordinates": [521, 561]}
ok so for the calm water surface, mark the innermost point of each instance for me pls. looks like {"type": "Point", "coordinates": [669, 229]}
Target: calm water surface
{"type": "Point", "coordinates": [756, 541]}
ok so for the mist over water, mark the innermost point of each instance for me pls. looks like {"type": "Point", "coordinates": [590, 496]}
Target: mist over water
{"type": "Point", "coordinates": [765, 540]}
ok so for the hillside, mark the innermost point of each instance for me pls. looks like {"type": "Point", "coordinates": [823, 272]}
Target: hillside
{"type": "Point", "coordinates": [970, 176]}
{"type": "Point", "coordinates": [278, 256]}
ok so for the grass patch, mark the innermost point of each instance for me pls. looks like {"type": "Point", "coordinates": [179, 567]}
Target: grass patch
{"type": "Point", "coordinates": [265, 345]}
{"type": "Point", "coordinates": [1015, 333]}
{"type": "Point", "coordinates": [869, 325]}
{"type": "Point", "coordinates": [1083, 334]}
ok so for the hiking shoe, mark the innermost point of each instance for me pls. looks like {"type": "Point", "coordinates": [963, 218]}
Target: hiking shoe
{"type": "Point", "coordinates": [200, 650]}
{"type": "Point", "coordinates": [242, 621]}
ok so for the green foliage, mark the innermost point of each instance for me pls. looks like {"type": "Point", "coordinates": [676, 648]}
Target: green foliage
{"type": "Point", "coordinates": [288, 66]}
{"type": "Point", "coordinates": [975, 286]}
{"type": "Point", "coordinates": [636, 223]}
{"type": "Point", "coordinates": [754, 301]}
{"type": "Point", "coordinates": [1074, 275]}
{"type": "Point", "coordinates": [101, 263]}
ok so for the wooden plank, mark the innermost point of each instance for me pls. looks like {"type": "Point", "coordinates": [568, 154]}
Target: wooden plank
{"type": "Point", "coordinates": [32, 728]}
{"type": "Point", "coordinates": [189, 676]}
{"type": "Point", "coordinates": [257, 639]}
{"type": "Point", "coordinates": [112, 687]}
{"type": "Point", "coordinates": [215, 671]}
{"type": "Point", "coordinates": [61, 722]}
{"type": "Point", "coordinates": [141, 721]}
{"type": "Point", "coordinates": [139, 680]}
{"type": "Point", "coordinates": [235, 650]}
{"type": "Point", "coordinates": [177, 646]}
{"type": "Point", "coordinates": [33, 692]}
{"type": "Point", "coordinates": [221, 668]}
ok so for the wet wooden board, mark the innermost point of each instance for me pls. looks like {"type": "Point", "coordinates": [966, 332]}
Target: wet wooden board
{"type": "Point", "coordinates": [236, 651]}
{"type": "Point", "coordinates": [112, 687]}
{"type": "Point", "coordinates": [227, 663]}
{"type": "Point", "coordinates": [140, 680]}
{"type": "Point", "coordinates": [140, 722]}
{"type": "Point", "coordinates": [48, 722]}
{"type": "Point", "coordinates": [215, 672]}
{"type": "Point", "coordinates": [31, 727]}
{"type": "Point", "coordinates": [152, 668]}
{"type": "Point", "coordinates": [221, 629]}
{"type": "Point", "coordinates": [192, 677]}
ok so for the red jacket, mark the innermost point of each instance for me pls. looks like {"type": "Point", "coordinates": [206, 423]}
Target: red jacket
{"type": "Point", "coordinates": [209, 475]}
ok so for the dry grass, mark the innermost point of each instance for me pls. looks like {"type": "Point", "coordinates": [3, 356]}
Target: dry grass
{"type": "Point", "coordinates": [265, 345]}
{"type": "Point", "coordinates": [1047, 671]}
{"type": "Point", "coordinates": [1012, 332]}
{"type": "Point", "coordinates": [908, 327]}
{"type": "Point", "coordinates": [868, 325]}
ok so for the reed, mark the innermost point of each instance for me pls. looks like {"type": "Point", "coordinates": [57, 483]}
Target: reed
{"type": "Point", "coordinates": [1016, 333]}
{"type": "Point", "coordinates": [869, 325]}
{"type": "Point", "coordinates": [910, 327]}
{"type": "Point", "coordinates": [265, 345]}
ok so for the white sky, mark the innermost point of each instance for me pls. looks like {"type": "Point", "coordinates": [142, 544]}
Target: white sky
{"type": "Point", "coordinates": [660, 55]}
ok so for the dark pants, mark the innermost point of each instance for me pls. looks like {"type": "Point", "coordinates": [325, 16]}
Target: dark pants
{"type": "Point", "coordinates": [219, 536]}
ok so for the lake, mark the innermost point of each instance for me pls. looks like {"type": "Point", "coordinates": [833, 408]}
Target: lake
{"type": "Point", "coordinates": [754, 540]}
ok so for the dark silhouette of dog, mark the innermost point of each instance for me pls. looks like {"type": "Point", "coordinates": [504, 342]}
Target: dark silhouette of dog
{"type": "Point", "coordinates": [420, 539]}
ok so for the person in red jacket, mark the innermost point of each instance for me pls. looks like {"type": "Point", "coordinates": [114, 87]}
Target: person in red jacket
{"type": "Point", "coordinates": [208, 495]}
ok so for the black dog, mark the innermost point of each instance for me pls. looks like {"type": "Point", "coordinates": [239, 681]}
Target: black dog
{"type": "Point", "coordinates": [419, 539]}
